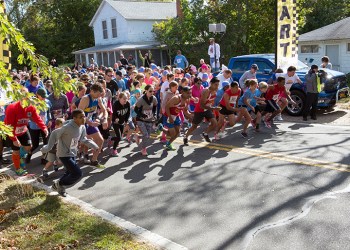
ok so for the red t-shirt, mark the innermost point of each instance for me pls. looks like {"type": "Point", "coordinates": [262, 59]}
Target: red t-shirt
{"type": "Point", "coordinates": [233, 98]}
{"type": "Point", "coordinates": [275, 93]}
{"type": "Point", "coordinates": [210, 101]}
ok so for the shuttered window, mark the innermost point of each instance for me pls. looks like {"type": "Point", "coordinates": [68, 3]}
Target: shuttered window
{"type": "Point", "coordinates": [104, 29]}
{"type": "Point", "coordinates": [114, 28]}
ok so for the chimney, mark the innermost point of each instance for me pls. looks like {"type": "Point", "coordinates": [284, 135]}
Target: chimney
{"type": "Point", "coordinates": [179, 13]}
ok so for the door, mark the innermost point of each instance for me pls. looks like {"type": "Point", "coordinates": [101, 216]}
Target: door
{"type": "Point", "coordinates": [332, 51]}
{"type": "Point", "coordinates": [239, 67]}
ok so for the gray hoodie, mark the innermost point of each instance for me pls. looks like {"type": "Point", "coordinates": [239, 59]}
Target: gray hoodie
{"type": "Point", "coordinates": [68, 138]}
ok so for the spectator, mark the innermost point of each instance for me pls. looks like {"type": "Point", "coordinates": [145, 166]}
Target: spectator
{"type": "Point", "coordinates": [123, 60]}
{"type": "Point", "coordinates": [146, 59]}
{"type": "Point", "coordinates": [325, 63]}
{"type": "Point", "coordinates": [313, 87]}
{"type": "Point", "coordinates": [214, 54]}
{"type": "Point", "coordinates": [250, 74]}
{"type": "Point", "coordinates": [180, 60]}
{"type": "Point", "coordinates": [131, 60]}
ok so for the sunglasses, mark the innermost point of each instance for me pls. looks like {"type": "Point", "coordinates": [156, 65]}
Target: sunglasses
{"type": "Point", "coordinates": [110, 75]}
{"type": "Point", "coordinates": [84, 80]}
{"type": "Point", "coordinates": [151, 91]}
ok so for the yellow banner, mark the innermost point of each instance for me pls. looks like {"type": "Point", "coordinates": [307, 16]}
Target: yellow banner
{"type": "Point", "coordinates": [5, 53]}
{"type": "Point", "coordinates": [287, 33]}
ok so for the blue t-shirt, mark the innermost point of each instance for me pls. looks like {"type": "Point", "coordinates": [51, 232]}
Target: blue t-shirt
{"type": "Point", "coordinates": [250, 97]}
{"type": "Point", "coordinates": [205, 84]}
{"type": "Point", "coordinates": [121, 84]}
{"type": "Point", "coordinates": [180, 61]}
{"type": "Point", "coordinates": [219, 94]}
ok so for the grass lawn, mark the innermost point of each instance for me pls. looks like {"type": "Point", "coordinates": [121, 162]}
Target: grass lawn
{"type": "Point", "coordinates": [32, 219]}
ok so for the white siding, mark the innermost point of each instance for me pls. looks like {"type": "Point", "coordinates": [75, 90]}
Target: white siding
{"type": "Point", "coordinates": [344, 55]}
{"type": "Point", "coordinates": [140, 30]}
{"type": "Point", "coordinates": [107, 13]}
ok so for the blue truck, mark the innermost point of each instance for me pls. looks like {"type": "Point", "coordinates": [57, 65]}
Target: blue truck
{"type": "Point", "coordinates": [335, 83]}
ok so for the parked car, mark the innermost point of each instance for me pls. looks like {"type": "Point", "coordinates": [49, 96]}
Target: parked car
{"type": "Point", "coordinates": [335, 83]}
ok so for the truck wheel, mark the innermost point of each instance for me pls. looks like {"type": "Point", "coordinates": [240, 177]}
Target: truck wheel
{"type": "Point", "coordinates": [299, 98]}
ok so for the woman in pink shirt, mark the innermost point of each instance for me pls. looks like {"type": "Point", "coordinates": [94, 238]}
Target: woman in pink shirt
{"type": "Point", "coordinates": [197, 89]}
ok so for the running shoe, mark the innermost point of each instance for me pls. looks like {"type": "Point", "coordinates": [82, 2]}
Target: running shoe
{"type": "Point", "coordinates": [267, 123]}
{"type": "Point", "coordinates": [58, 188]}
{"type": "Point", "coordinates": [278, 117]}
{"type": "Point", "coordinates": [159, 129]}
{"type": "Point", "coordinates": [170, 147]}
{"type": "Point", "coordinates": [21, 172]}
{"type": "Point", "coordinates": [86, 159]}
{"type": "Point", "coordinates": [144, 151]}
{"type": "Point", "coordinates": [28, 158]}
{"type": "Point", "coordinates": [55, 167]}
{"type": "Point", "coordinates": [244, 135]}
{"type": "Point", "coordinates": [45, 173]}
{"type": "Point", "coordinates": [97, 164]}
{"type": "Point", "coordinates": [186, 141]}
{"type": "Point", "coordinates": [206, 137]}
{"type": "Point", "coordinates": [253, 123]}
{"type": "Point", "coordinates": [114, 152]}
{"type": "Point", "coordinates": [218, 136]}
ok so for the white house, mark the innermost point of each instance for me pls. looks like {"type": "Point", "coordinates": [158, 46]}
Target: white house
{"type": "Point", "coordinates": [332, 40]}
{"type": "Point", "coordinates": [125, 27]}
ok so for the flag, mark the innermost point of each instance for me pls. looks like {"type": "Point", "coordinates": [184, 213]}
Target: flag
{"type": "Point", "coordinates": [287, 33]}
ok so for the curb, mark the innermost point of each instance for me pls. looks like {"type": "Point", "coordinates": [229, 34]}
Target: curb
{"type": "Point", "coordinates": [139, 232]}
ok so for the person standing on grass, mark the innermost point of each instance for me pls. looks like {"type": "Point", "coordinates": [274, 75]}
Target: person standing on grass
{"type": "Point", "coordinates": [68, 138]}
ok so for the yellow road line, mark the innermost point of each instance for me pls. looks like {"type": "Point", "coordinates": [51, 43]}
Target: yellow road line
{"type": "Point", "coordinates": [268, 155]}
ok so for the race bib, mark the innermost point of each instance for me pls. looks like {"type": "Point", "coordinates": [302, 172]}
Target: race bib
{"type": "Point", "coordinates": [57, 113]}
{"type": "Point", "coordinates": [20, 130]}
{"type": "Point", "coordinates": [148, 113]}
{"type": "Point", "coordinates": [233, 100]}
{"type": "Point", "coordinates": [275, 97]}
{"type": "Point", "coordinates": [74, 143]}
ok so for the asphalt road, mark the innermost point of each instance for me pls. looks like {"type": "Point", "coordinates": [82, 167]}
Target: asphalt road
{"type": "Point", "coordinates": [284, 188]}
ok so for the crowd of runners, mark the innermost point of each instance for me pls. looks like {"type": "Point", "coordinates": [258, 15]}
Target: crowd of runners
{"type": "Point", "coordinates": [130, 103]}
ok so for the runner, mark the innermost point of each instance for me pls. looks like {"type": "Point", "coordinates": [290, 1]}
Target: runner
{"type": "Point", "coordinates": [67, 138]}
{"type": "Point", "coordinates": [18, 116]}
{"type": "Point", "coordinates": [89, 104]}
{"type": "Point", "coordinates": [121, 114]}
{"type": "Point", "coordinates": [146, 110]}
{"type": "Point", "coordinates": [204, 109]}
{"type": "Point", "coordinates": [173, 109]}
{"type": "Point", "coordinates": [229, 108]}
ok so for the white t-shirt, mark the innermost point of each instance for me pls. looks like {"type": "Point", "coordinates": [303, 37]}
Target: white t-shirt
{"type": "Point", "coordinates": [164, 88]}
{"type": "Point", "coordinates": [223, 79]}
{"type": "Point", "coordinates": [290, 80]}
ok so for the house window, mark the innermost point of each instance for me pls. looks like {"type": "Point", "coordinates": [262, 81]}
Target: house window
{"type": "Point", "coordinates": [114, 27]}
{"type": "Point", "coordinates": [104, 29]}
{"type": "Point", "coordinates": [309, 49]}
{"type": "Point", "coordinates": [348, 47]}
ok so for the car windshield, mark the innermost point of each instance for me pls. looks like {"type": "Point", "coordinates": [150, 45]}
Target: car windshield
{"type": "Point", "coordinates": [301, 66]}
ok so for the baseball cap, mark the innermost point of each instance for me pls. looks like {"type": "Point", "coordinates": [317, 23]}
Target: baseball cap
{"type": "Point", "coordinates": [194, 69]}
{"type": "Point", "coordinates": [188, 76]}
{"type": "Point", "coordinates": [153, 66]}
{"type": "Point", "coordinates": [141, 69]}
{"type": "Point", "coordinates": [255, 66]}
{"type": "Point", "coordinates": [156, 74]}
{"type": "Point", "coordinates": [205, 76]}
{"type": "Point", "coordinates": [42, 93]}
{"type": "Point", "coordinates": [225, 83]}
{"type": "Point", "coordinates": [137, 91]}
{"type": "Point", "coordinates": [204, 66]}
{"type": "Point", "coordinates": [165, 73]}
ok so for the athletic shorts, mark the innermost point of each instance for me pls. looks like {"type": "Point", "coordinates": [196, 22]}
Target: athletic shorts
{"type": "Point", "coordinates": [50, 157]}
{"type": "Point", "coordinates": [24, 139]}
{"type": "Point", "coordinates": [90, 130]}
{"type": "Point", "coordinates": [257, 109]}
{"type": "Point", "coordinates": [271, 106]}
{"type": "Point", "coordinates": [191, 107]}
{"type": "Point", "coordinates": [224, 111]}
{"type": "Point", "coordinates": [177, 122]}
{"type": "Point", "coordinates": [199, 116]}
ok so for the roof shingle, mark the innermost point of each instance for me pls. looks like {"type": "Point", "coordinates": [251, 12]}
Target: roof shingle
{"type": "Point", "coordinates": [334, 31]}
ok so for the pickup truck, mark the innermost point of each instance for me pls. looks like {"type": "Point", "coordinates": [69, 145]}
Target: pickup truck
{"type": "Point", "coordinates": [334, 82]}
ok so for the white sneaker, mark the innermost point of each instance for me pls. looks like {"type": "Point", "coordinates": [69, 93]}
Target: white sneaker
{"type": "Point", "coordinates": [278, 117]}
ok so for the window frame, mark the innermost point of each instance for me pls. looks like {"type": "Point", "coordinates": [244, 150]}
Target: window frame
{"type": "Point", "coordinates": [115, 29]}
{"type": "Point", "coordinates": [104, 30]}
{"type": "Point", "coordinates": [240, 62]}
{"type": "Point", "coordinates": [311, 49]}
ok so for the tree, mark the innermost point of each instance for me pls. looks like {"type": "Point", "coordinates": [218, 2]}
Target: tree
{"type": "Point", "coordinates": [35, 62]}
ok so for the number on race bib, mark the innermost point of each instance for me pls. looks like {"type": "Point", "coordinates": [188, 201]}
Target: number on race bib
{"type": "Point", "coordinates": [233, 100]}
{"type": "Point", "coordinates": [20, 130]}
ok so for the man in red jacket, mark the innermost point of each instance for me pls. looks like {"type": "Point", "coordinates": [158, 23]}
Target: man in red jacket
{"type": "Point", "coordinates": [18, 117]}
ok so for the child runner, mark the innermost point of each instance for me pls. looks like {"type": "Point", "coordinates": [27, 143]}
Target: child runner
{"type": "Point", "coordinates": [50, 157]}
{"type": "Point", "coordinates": [68, 138]}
